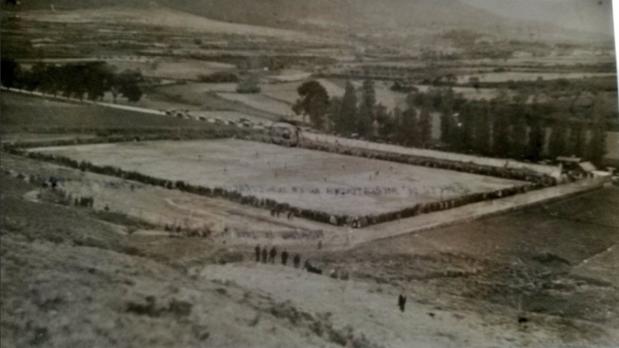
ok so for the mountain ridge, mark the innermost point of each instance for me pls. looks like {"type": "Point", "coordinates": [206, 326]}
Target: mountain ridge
{"type": "Point", "coordinates": [350, 15]}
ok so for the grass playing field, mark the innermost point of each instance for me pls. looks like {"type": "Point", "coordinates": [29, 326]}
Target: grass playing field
{"type": "Point", "coordinates": [315, 180]}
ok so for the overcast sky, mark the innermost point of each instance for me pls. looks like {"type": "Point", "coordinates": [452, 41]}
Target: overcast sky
{"type": "Point", "coordinates": [587, 15]}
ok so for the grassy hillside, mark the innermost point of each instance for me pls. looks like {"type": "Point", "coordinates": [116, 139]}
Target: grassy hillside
{"type": "Point", "coordinates": [279, 12]}
{"type": "Point", "coordinates": [22, 113]}
{"type": "Point", "coordinates": [357, 15]}
{"type": "Point", "coordinates": [593, 16]}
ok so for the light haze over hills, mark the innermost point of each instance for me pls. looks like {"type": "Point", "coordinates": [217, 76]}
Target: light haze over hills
{"type": "Point", "coordinates": [531, 19]}
{"type": "Point", "coordinates": [585, 15]}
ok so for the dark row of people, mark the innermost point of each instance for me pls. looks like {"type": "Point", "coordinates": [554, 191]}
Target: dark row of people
{"type": "Point", "coordinates": [87, 202]}
{"type": "Point", "coordinates": [460, 166]}
{"type": "Point", "coordinates": [265, 255]}
{"type": "Point", "coordinates": [277, 212]}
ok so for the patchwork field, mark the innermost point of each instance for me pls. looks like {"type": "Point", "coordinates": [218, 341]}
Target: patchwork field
{"type": "Point", "coordinates": [529, 76]}
{"type": "Point", "coordinates": [285, 92]}
{"type": "Point", "coordinates": [27, 114]}
{"type": "Point", "coordinates": [260, 102]}
{"type": "Point", "coordinates": [189, 69]}
{"type": "Point", "coordinates": [278, 98]}
{"type": "Point", "coordinates": [384, 95]}
{"type": "Point", "coordinates": [161, 68]}
{"type": "Point", "coordinates": [161, 17]}
{"type": "Point", "coordinates": [307, 179]}
{"type": "Point", "coordinates": [207, 97]}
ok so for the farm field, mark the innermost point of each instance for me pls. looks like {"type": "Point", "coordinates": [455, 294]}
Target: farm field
{"type": "Point", "coordinates": [162, 17]}
{"type": "Point", "coordinates": [283, 92]}
{"type": "Point", "coordinates": [38, 137]}
{"type": "Point", "coordinates": [206, 97]}
{"type": "Point", "coordinates": [260, 102]}
{"type": "Point", "coordinates": [389, 98]}
{"type": "Point", "coordinates": [553, 60]}
{"type": "Point", "coordinates": [302, 178]}
{"type": "Point", "coordinates": [187, 69]}
{"type": "Point", "coordinates": [384, 95]}
{"type": "Point", "coordinates": [277, 98]}
{"type": "Point", "coordinates": [193, 94]}
{"type": "Point", "coordinates": [159, 68]}
{"type": "Point", "coordinates": [333, 86]}
{"type": "Point", "coordinates": [290, 76]}
{"type": "Point", "coordinates": [157, 102]}
{"type": "Point", "coordinates": [469, 93]}
{"type": "Point", "coordinates": [26, 114]}
{"type": "Point", "coordinates": [529, 76]}
{"type": "Point", "coordinates": [287, 92]}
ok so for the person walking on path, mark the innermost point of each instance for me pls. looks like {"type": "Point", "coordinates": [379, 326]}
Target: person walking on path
{"type": "Point", "coordinates": [402, 302]}
{"type": "Point", "coordinates": [297, 261]}
{"type": "Point", "coordinates": [257, 251]}
{"type": "Point", "coordinates": [272, 255]}
{"type": "Point", "coordinates": [284, 257]}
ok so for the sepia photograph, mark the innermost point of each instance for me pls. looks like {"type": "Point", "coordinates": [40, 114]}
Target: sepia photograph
{"type": "Point", "coordinates": [309, 173]}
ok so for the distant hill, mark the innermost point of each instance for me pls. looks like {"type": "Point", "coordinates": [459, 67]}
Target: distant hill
{"type": "Point", "coordinates": [593, 16]}
{"type": "Point", "coordinates": [273, 12]}
{"type": "Point", "coordinates": [499, 17]}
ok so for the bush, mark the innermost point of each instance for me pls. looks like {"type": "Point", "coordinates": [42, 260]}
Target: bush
{"type": "Point", "coordinates": [219, 77]}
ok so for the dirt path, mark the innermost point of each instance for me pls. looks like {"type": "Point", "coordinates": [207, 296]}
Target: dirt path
{"type": "Point", "coordinates": [471, 212]}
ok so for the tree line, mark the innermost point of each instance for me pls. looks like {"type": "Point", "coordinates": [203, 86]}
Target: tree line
{"type": "Point", "coordinates": [507, 127]}
{"type": "Point", "coordinates": [526, 131]}
{"type": "Point", "coordinates": [90, 80]}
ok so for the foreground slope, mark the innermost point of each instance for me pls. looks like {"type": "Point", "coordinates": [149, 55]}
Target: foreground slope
{"type": "Point", "coordinates": [71, 280]}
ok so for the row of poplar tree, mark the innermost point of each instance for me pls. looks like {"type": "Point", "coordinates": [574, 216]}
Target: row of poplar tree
{"type": "Point", "coordinates": [501, 127]}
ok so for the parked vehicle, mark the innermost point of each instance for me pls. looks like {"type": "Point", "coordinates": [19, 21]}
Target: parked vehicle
{"type": "Point", "coordinates": [283, 133]}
